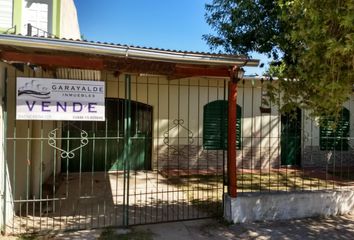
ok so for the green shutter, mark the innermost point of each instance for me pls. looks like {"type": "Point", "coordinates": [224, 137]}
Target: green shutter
{"type": "Point", "coordinates": [215, 126]}
{"type": "Point", "coordinates": [335, 139]}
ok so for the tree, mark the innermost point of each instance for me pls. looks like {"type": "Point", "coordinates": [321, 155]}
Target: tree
{"type": "Point", "coordinates": [314, 38]}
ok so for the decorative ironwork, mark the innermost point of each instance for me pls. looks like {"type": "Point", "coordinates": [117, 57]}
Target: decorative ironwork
{"type": "Point", "coordinates": [52, 135]}
{"type": "Point", "coordinates": [178, 123]}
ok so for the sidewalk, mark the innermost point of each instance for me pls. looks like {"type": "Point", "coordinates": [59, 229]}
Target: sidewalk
{"type": "Point", "coordinates": [314, 228]}
{"type": "Point", "coordinates": [340, 227]}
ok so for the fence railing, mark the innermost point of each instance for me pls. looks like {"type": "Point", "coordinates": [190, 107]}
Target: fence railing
{"type": "Point", "coordinates": [35, 31]}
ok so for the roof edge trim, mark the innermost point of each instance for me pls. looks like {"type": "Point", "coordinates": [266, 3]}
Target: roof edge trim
{"type": "Point", "coordinates": [125, 51]}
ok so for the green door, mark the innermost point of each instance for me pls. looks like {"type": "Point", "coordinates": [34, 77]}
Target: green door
{"type": "Point", "coordinates": [290, 139]}
{"type": "Point", "coordinates": [105, 147]}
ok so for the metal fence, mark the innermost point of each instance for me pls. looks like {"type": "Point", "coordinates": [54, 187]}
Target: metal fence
{"type": "Point", "coordinates": [291, 152]}
{"type": "Point", "coordinates": [160, 155]}
{"type": "Point", "coordinates": [144, 164]}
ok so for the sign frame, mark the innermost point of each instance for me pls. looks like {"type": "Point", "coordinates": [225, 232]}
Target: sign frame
{"type": "Point", "coordinates": [60, 99]}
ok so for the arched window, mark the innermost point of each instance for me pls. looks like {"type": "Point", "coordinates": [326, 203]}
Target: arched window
{"type": "Point", "coordinates": [215, 125]}
{"type": "Point", "coordinates": [335, 138]}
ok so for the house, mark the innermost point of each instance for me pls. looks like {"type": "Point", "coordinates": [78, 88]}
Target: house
{"type": "Point", "coordinates": [154, 102]}
{"type": "Point", "coordinates": [139, 135]}
{"type": "Point", "coordinates": [54, 18]}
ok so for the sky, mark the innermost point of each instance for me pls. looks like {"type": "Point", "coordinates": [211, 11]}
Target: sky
{"type": "Point", "coordinates": [167, 24]}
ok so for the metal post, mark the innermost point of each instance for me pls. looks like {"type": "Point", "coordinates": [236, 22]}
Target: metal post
{"type": "Point", "coordinates": [29, 29]}
{"type": "Point", "coordinates": [4, 145]}
{"type": "Point", "coordinates": [127, 144]}
{"type": "Point", "coordinates": [231, 143]}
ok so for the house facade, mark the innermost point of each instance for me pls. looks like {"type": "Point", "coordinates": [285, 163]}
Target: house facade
{"type": "Point", "coordinates": [166, 117]}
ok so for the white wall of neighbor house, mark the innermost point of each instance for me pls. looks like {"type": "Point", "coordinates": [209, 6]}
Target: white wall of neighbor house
{"type": "Point", "coordinates": [69, 24]}
{"type": "Point", "coordinates": [6, 13]}
{"type": "Point", "coordinates": [39, 14]}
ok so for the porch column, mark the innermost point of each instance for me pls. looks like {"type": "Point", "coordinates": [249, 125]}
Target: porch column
{"type": "Point", "coordinates": [231, 141]}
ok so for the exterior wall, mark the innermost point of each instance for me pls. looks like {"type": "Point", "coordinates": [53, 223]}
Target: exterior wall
{"type": "Point", "coordinates": [69, 25]}
{"type": "Point", "coordinates": [62, 20]}
{"type": "Point", "coordinates": [185, 99]}
{"type": "Point", "coordinates": [6, 200]}
{"type": "Point", "coordinates": [53, 20]}
{"type": "Point", "coordinates": [260, 131]}
{"type": "Point", "coordinates": [6, 14]}
{"type": "Point", "coordinates": [313, 156]}
{"type": "Point", "coordinates": [39, 15]}
{"type": "Point", "coordinates": [16, 18]}
{"type": "Point", "coordinates": [18, 152]}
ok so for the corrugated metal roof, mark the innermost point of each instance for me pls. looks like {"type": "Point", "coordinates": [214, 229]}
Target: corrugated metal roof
{"type": "Point", "coordinates": [128, 51]}
{"type": "Point", "coordinates": [134, 46]}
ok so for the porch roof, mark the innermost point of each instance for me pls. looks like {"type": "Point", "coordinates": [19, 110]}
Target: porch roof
{"type": "Point", "coordinates": [54, 52]}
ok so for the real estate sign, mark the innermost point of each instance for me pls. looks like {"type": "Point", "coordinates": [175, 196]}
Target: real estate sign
{"type": "Point", "coordinates": [60, 99]}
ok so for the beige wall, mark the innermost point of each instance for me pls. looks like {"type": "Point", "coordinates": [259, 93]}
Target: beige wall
{"type": "Point", "coordinates": [18, 149]}
{"type": "Point", "coordinates": [313, 156]}
{"type": "Point", "coordinates": [312, 130]}
{"type": "Point", "coordinates": [162, 95]}
{"type": "Point", "coordinates": [185, 99]}
{"type": "Point", "coordinates": [69, 24]}
{"type": "Point", "coordinates": [5, 186]}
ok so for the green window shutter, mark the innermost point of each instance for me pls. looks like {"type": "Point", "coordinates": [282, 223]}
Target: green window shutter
{"type": "Point", "coordinates": [215, 125]}
{"type": "Point", "coordinates": [336, 139]}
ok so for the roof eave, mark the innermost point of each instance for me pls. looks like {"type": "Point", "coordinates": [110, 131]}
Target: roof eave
{"type": "Point", "coordinates": [124, 51]}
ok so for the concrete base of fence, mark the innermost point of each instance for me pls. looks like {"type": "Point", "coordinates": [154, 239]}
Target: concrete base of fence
{"type": "Point", "coordinates": [249, 207]}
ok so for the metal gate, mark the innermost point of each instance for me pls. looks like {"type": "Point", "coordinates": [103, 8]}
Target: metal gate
{"type": "Point", "coordinates": [145, 164]}
{"type": "Point", "coordinates": [105, 153]}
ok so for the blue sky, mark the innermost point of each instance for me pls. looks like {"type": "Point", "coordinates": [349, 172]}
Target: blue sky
{"type": "Point", "coordinates": [168, 24]}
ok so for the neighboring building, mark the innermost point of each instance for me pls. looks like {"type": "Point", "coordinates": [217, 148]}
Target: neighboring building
{"type": "Point", "coordinates": [49, 18]}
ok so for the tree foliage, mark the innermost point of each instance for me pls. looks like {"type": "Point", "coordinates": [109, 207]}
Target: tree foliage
{"type": "Point", "coordinates": [314, 38]}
